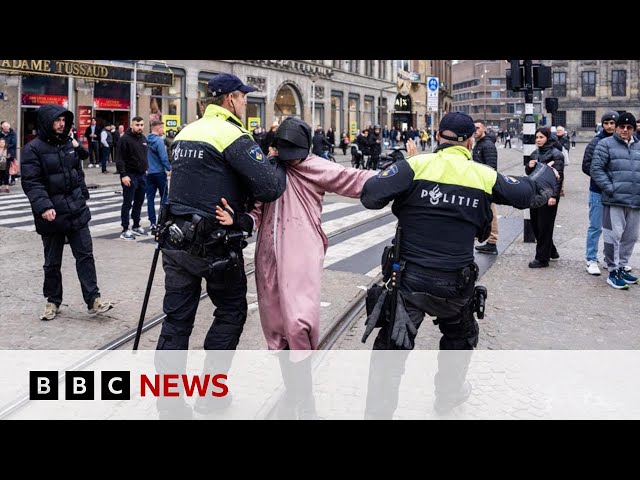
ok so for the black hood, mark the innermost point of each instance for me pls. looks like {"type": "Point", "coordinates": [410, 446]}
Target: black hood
{"type": "Point", "coordinates": [46, 115]}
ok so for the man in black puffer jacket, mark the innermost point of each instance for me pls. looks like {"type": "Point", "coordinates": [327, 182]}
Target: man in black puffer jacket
{"type": "Point", "coordinates": [484, 151]}
{"type": "Point", "coordinates": [53, 180]}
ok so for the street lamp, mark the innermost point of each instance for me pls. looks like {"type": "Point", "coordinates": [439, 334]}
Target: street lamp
{"type": "Point", "coordinates": [484, 77]}
{"type": "Point", "coordinates": [313, 78]}
{"type": "Point", "coordinates": [134, 93]}
{"type": "Point", "coordinates": [382, 90]}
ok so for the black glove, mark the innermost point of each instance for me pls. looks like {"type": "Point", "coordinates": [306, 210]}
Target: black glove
{"type": "Point", "coordinates": [373, 319]}
{"type": "Point", "coordinates": [546, 181]}
{"type": "Point", "coordinates": [245, 223]}
{"type": "Point", "coordinates": [404, 331]}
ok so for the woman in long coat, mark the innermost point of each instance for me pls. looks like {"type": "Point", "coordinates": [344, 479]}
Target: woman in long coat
{"type": "Point", "coordinates": [543, 218]}
{"type": "Point", "coordinates": [291, 244]}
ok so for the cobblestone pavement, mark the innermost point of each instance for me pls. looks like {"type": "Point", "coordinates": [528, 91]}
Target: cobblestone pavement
{"type": "Point", "coordinates": [560, 307]}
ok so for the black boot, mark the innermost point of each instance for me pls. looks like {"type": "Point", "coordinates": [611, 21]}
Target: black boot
{"type": "Point", "coordinates": [298, 402]}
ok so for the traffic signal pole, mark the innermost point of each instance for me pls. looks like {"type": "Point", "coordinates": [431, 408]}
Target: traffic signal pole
{"type": "Point", "coordinates": [528, 139]}
{"type": "Point", "coordinates": [527, 78]}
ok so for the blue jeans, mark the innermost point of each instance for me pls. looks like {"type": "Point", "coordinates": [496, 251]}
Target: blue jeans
{"type": "Point", "coordinates": [595, 226]}
{"type": "Point", "coordinates": [155, 182]}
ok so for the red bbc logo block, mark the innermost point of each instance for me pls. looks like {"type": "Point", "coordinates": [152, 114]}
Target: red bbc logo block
{"type": "Point", "coordinates": [114, 385]}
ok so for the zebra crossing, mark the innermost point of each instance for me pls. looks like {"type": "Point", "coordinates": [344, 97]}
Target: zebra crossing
{"type": "Point", "coordinates": [354, 250]}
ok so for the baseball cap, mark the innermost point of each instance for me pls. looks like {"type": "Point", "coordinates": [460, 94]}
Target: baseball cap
{"type": "Point", "coordinates": [293, 139]}
{"type": "Point", "coordinates": [226, 83]}
{"type": "Point", "coordinates": [459, 123]}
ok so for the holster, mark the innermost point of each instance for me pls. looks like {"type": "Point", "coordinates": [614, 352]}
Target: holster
{"type": "Point", "coordinates": [386, 262]}
{"type": "Point", "coordinates": [479, 298]}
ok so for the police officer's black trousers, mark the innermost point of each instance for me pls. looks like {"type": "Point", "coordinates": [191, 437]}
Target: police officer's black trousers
{"type": "Point", "coordinates": [227, 290]}
{"type": "Point", "coordinates": [459, 332]}
{"type": "Point", "coordinates": [458, 325]}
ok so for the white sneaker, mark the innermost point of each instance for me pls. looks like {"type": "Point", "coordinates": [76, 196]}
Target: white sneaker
{"type": "Point", "coordinates": [627, 268]}
{"type": "Point", "coordinates": [99, 306]}
{"type": "Point", "coordinates": [50, 311]}
{"type": "Point", "coordinates": [138, 231]}
{"type": "Point", "coordinates": [127, 235]}
{"type": "Point", "coordinates": [592, 268]}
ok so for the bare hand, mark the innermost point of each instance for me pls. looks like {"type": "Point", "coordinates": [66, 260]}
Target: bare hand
{"type": "Point", "coordinates": [49, 215]}
{"type": "Point", "coordinates": [551, 202]}
{"type": "Point", "coordinates": [74, 142]}
{"type": "Point", "coordinates": [556, 173]}
{"type": "Point", "coordinates": [412, 148]}
{"type": "Point", "coordinates": [222, 215]}
{"type": "Point", "coordinates": [273, 152]}
{"type": "Point", "coordinates": [126, 181]}
{"type": "Point", "coordinates": [532, 163]}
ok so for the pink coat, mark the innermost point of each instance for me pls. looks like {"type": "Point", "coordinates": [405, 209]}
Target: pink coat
{"type": "Point", "coordinates": [290, 251]}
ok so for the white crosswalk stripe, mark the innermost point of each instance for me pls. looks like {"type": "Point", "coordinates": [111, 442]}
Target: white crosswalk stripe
{"type": "Point", "coordinates": [105, 205]}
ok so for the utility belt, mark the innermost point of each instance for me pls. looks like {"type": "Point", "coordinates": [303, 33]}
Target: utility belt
{"type": "Point", "coordinates": [463, 276]}
{"type": "Point", "coordinates": [201, 237]}
{"type": "Point", "coordinates": [437, 306]}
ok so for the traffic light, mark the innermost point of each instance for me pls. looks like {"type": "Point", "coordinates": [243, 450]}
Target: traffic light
{"type": "Point", "coordinates": [551, 105]}
{"type": "Point", "coordinates": [541, 76]}
{"type": "Point", "coordinates": [515, 75]}
{"type": "Point", "coordinates": [537, 76]}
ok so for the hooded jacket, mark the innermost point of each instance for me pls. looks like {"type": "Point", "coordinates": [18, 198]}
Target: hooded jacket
{"type": "Point", "coordinates": [52, 175]}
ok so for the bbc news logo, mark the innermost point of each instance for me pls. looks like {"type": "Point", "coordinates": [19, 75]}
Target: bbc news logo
{"type": "Point", "coordinates": [43, 385]}
{"type": "Point", "coordinates": [116, 385]}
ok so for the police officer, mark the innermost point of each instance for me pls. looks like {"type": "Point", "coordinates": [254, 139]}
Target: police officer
{"type": "Point", "coordinates": [213, 157]}
{"type": "Point", "coordinates": [442, 201]}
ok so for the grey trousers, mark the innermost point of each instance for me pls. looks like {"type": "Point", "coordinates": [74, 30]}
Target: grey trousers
{"type": "Point", "coordinates": [621, 228]}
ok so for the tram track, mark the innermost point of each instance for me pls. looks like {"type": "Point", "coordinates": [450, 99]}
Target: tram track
{"type": "Point", "coordinates": [339, 326]}
{"type": "Point", "coordinates": [332, 334]}
{"type": "Point", "coordinates": [129, 336]}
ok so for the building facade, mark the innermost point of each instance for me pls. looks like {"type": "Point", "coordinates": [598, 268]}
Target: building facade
{"type": "Point", "coordinates": [586, 89]}
{"type": "Point", "coordinates": [412, 82]}
{"type": "Point", "coordinates": [347, 95]}
{"type": "Point", "coordinates": [480, 90]}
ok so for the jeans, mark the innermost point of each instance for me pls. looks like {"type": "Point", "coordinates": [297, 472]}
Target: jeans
{"type": "Point", "coordinates": [595, 226]}
{"type": "Point", "coordinates": [104, 157]}
{"type": "Point", "coordinates": [155, 182]}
